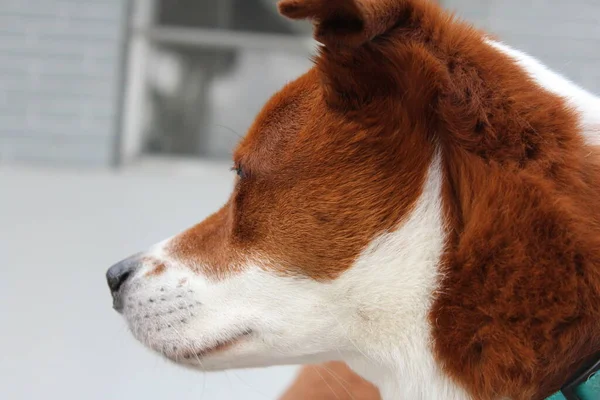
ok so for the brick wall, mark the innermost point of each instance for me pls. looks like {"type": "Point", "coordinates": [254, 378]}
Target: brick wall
{"type": "Point", "coordinates": [564, 34]}
{"type": "Point", "coordinates": [60, 66]}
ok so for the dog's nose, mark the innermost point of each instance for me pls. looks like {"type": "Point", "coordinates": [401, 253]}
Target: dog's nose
{"type": "Point", "coordinates": [118, 274]}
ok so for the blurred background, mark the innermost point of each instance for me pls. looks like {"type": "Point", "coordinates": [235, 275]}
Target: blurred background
{"type": "Point", "coordinates": [117, 121]}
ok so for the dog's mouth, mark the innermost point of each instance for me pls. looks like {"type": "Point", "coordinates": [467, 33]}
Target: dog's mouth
{"type": "Point", "coordinates": [219, 346]}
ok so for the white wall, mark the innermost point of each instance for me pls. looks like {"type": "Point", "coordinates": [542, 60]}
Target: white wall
{"type": "Point", "coordinates": [564, 34]}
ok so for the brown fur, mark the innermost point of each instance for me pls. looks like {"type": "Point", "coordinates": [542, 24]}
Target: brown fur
{"type": "Point", "coordinates": [340, 156]}
{"type": "Point", "coordinates": [158, 270]}
{"type": "Point", "coordinates": [518, 308]}
{"type": "Point", "coordinates": [319, 185]}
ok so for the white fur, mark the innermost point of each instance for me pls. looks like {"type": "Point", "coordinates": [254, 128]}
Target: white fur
{"type": "Point", "coordinates": [393, 282]}
{"type": "Point", "coordinates": [374, 316]}
{"type": "Point", "coordinates": [581, 100]}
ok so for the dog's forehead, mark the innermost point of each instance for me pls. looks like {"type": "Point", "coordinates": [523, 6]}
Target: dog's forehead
{"type": "Point", "coordinates": [280, 120]}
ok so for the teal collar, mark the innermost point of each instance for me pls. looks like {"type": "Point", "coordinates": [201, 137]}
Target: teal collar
{"type": "Point", "coordinates": [585, 385]}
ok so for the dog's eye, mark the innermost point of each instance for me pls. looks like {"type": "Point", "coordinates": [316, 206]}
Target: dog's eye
{"type": "Point", "coordinates": [239, 170]}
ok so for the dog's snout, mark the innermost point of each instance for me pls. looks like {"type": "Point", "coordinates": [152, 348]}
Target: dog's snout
{"type": "Point", "coordinates": [117, 275]}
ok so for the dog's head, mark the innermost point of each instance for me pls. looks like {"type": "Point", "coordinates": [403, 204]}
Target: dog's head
{"type": "Point", "coordinates": [334, 163]}
{"type": "Point", "coordinates": [414, 142]}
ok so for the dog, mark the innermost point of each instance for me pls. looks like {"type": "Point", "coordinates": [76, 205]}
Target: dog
{"type": "Point", "coordinates": [423, 205]}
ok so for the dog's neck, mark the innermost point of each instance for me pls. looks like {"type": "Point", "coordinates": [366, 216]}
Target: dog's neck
{"type": "Point", "coordinates": [390, 290]}
{"type": "Point", "coordinates": [420, 380]}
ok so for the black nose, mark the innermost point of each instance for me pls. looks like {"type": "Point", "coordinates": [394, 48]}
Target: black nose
{"type": "Point", "coordinates": [117, 275]}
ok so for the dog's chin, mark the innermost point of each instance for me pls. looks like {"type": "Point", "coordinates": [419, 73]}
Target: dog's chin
{"type": "Point", "coordinates": [243, 357]}
{"type": "Point", "coordinates": [242, 350]}
{"type": "Point", "coordinates": [236, 349]}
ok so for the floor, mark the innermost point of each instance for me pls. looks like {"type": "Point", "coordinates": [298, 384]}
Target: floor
{"type": "Point", "coordinates": [60, 231]}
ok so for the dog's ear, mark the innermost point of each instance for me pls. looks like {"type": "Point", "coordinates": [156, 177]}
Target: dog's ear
{"type": "Point", "coordinates": [345, 22]}
{"type": "Point", "coordinates": [355, 67]}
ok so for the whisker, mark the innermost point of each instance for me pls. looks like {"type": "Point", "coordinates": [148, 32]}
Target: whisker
{"type": "Point", "coordinates": [250, 386]}
{"type": "Point", "coordinates": [230, 130]}
{"type": "Point", "coordinates": [327, 383]}
{"type": "Point", "coordinates": [339, 380]}
{"type": "Point", "coordinates": [347, 335]}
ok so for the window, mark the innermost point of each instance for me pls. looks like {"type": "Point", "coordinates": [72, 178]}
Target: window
{"type": "Point", "coordinates": [200, 70]}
